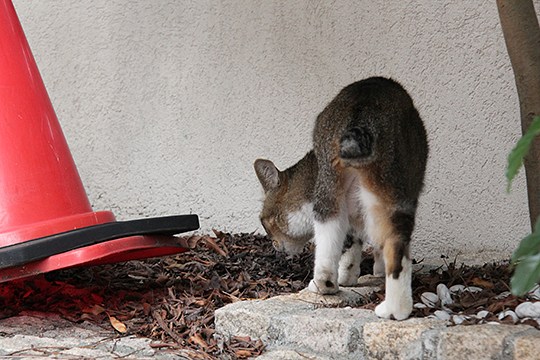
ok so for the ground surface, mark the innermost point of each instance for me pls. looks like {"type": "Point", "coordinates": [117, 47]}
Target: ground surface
{"type": "Point", "coordinates": [172, 300]}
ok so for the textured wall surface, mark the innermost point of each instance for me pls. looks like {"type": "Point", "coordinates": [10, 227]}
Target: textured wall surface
{"type": "Point", "coordinates": [166, 104]}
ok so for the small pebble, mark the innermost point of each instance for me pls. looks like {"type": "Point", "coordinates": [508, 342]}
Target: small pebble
{"type": "Point", "coordinates": [473, 289]}
{"type": "Point", "coordinates": [535, 293]}
{"type": "Point", "coordinates": [504, 314]}
{"type": "Point", "coordinates": [419, 306]}
{"type": "Point", "coordinates": [493, 323]}
{"type": "Point", "coordinates": [503, 295]}
{"type": "Point", "coordinates": [429, 298]}
{"type": "Point", "coordinates": [442, 315]}
{"type": "Point", "coordinates": [482, 314]}
{"type": "Point", "coordinates": [456, 289]}
{"type": "Point", "coordinates": [528, 309]}
{"type": "Point", "coordinates": [458, 319]}
{"type": "Point", "coordinates": [444, 295]}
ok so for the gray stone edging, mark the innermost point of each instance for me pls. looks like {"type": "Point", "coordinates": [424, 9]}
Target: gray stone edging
{"type": "Point", "coordinates": [306, 325]}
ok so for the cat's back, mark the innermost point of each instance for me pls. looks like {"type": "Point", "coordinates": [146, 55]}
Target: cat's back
{"type": "Point", "coordinates": [378, 104]}
{"type": "Point", "coordinates": [373, 127]}
{"type": "Point", "coordinates": [376, 94]}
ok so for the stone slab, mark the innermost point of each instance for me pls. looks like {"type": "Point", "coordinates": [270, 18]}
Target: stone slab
{"type": "Point", "coordinates": [42, 335]}
{"type": "Point", "coordinates": [309, 326]}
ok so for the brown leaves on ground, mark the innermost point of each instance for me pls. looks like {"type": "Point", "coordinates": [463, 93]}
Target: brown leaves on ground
{"type": "Point", "coordinates": [172, 300]}
{"type": "Point", "coordinates": [493, 279]}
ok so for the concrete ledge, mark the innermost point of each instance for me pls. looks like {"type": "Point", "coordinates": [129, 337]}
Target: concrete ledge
{"type": "Point", "coordinates": [306, 325]}
{"type": "Point", "coordinates": [40, 335]}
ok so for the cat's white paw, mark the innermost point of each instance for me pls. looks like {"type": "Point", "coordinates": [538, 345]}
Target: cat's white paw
{"type": "Point", "coordinates": [349, 265]}
{"type": "Point", "coordinates": [349, 278]}
{"type": "Point", "coordinates": [323, 287]}
{"type": "Point", "coordinates": [399, 310]}
{"type": "Point", "coordinates": [378, 270]}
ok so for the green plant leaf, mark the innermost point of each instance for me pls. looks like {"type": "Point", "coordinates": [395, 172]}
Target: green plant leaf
{"type": "Point", "coordinates": [529, 246]}
{"type": "Point", "coordinates": [526, 275]}
{"type": "Point", "coordinates": [515, 158]}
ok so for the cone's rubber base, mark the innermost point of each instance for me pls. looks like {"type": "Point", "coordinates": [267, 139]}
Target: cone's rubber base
{"type": "Point", "coordinates": [43, 228]}
{"type": "Point", "coordinates": [98, 244]}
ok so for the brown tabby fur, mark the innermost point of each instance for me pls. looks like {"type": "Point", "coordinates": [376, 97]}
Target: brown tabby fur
{"type": "Point", "coordinates": [363, 178]}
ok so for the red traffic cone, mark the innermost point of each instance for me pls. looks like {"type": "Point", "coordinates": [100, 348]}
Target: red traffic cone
{"type": "Point", "coordinates": [46, 220]}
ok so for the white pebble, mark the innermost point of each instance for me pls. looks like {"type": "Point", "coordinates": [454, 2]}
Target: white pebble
{"type": "Point", "coordinates": [456, 289]}
{"type": "Point", "coordinates": [419, 306]}
{"type": "Point", "coordinates": [503, 295]}
{"type": "Point", "coordinates": [442, 315]}
{"type": "Point", "coordinates": [510, 313]}
{"type": "Point", "coordinates": [528, 309]}
{"type": "Point", "coordinates": [458, 319]}
{"type": "Point", "coordinates": [444, 295]}
{"type": "Point", "coordinates": [493, 323]}
{"type": "Point", "coordinates": [535, 293]}
{"type": "Point", "coordinates": [429, 298]}
{"type": "Point", "coordinates": [482, 314]}
{"type": "Point", "coordinates": [473, 289]}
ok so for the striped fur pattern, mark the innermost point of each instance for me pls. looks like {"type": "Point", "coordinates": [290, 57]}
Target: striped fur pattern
{"type": "Point", "coordinates": [361, 181]}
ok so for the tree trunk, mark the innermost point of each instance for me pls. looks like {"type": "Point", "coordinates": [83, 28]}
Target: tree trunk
{"type": "Point", "coordinates": [522, 36]}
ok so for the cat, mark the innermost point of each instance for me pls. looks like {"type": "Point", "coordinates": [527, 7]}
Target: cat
{"type": "Point", "coordinates": [361, 181]}
{"type": "Point", "coordinates": [287, 215]}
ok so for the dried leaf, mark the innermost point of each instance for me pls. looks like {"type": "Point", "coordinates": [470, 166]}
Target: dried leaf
{"type": "Point", "coordinates": [86, 317]}
{"type": "Point", "coordinates": [219, 234]}
{"type": "Point", "coordinates": [241, 338]}
{"type": "Point", "coordinates": [243, 354]}
{"type": "Point", "coordinates": [198, 340]}
{"type": "Point", "coordinates": [282, 282]}
{"type": "Point", "coordinates": [94, 310]}
{"type": "Point", "coordinates": [118, 325]}
{"type": "Point", "coordinates": [482, 283]}
{"type": "Point", "coordinates": [211, 244]}
{"type": "Point", "coordinates": [232, 297]}
{"type": "Point", "coordinates": [190, 242]}
{"type": "Point", "coordinates": [147, 308]}
{"type": "Point", "coordinates": [201, 302]}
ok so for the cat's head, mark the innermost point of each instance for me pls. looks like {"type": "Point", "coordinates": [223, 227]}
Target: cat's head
{"type": "Point", "coordinates": [287, 214]}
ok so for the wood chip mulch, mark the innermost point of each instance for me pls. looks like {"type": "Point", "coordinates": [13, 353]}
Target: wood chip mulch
{"type": "Point", "coordinates": [172, 300]}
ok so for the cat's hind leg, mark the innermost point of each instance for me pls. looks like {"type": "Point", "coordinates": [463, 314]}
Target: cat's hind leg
{"type": "Point", "coordinates": [390, 231]}
{"type": "Point", "coordinates": [398, 269]}
{"type": "Point", "coordinates": [398, 295]}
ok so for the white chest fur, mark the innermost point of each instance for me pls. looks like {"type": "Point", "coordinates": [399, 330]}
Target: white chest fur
{"type": "Point", "coordinates": [301, 221]}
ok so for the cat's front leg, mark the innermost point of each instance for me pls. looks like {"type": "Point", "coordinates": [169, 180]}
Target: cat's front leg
{"type": "Point", "coordinates": [378, 263]}
{"type": "Point", "coordinates": [329, 238]}
{"type": "Point", "coordinates": [351, 258]}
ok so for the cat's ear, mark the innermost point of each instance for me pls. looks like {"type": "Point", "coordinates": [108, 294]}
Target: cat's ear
{"type": "Point", "coordinates": [267, 173]}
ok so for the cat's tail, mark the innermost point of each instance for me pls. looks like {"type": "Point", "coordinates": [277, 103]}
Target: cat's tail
{"type": "Point", "coordinates": [357, 146]}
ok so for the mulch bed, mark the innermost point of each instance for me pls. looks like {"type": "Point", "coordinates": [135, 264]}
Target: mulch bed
{"type": "Point", "coordinates": [172, 300]}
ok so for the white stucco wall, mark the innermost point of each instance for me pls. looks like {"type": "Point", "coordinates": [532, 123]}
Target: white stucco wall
{"type": "Point", "coordinates": [166, 104]}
